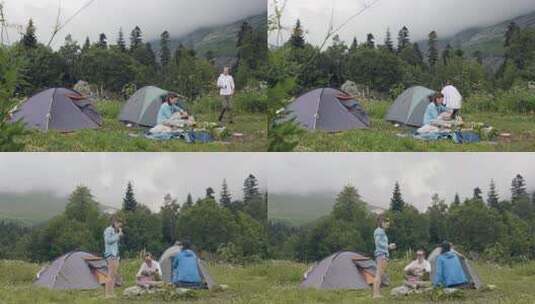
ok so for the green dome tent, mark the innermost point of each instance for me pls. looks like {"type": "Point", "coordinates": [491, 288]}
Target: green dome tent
{"type": "Point", "coordinates": [142, 107]}
{"type": "Point", "coordinates": [409, 108]}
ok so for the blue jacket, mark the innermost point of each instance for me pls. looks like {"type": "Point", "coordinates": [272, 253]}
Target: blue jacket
{"type": "Point", "coordinates": [166, 111]}
{"type": "Point", "coordinates": [111, 242]}
{"type": "Point", "coordinates": [381, 242]}
{"type": "Point", "coordinates": [449, 271]}
{"type": "Point", "coordinates": [432, 111]}
{"type": "Point", "coordinates": [185, 268]}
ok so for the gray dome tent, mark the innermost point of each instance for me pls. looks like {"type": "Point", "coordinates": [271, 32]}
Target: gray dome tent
{"type": "Point", "coordinates": [474, 281]}
{"type": "Point", "coordinates": [409, 108]}
{"type": "Point", "coordinates": [59, 109]}
{"type": "Point", "coordinates": [328, 110]}
{"type": "Point", "coordinates": [166, 261]}
{"type": "Point", "coordinates": [70, 271]}
{"type": "Point", "coordinates": [142, 107]}
{"type": "Point", "coordinates": [342, 270]}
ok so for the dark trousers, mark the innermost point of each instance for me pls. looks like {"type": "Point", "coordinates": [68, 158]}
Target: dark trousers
{"type": "Point", "coordinates": [227, 107]}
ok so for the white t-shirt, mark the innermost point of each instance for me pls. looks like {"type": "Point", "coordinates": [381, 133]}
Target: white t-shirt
{"type": "Point", "coordinates": [452, 98]}
{"type": "Point", "coordinates": [225, 83]}
{"type": "Point", "coordinates": [153, 268]}
{"type": "Point", "coordinates": [418, 267]}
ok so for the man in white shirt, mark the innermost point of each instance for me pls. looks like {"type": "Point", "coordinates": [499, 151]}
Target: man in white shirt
{"type": "Point", "coordinates": [226, 86]}
{"type": "Point", "coordinates": [417, 272]}
{"type": "Point", "coordinates": [150, 273]}
{"type": "Point", "coordinates": [452, 99]}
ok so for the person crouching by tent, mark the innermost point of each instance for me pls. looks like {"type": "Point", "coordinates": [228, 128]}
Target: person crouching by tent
{"type": "Point", "coordinates": [226, 86]}
{"type": "Point", "coordinates": [149, 274]}
{"type": "Point", "coordinates": [452, 99]}
{"type": "Point", "coordinates": [186, 269]}
{"type": "Point", "coordinates": [449, 272]}
{"type": "Point", "coordinates": [417, 272]}
{"type": "Point", "coordinates": [382, 248]}
{"type": "Point", "coordinates": [168, 108]}
{"type": "Point", "coordinates": [434, 109]}
{"type": "Point", "coordinates": [112, 236]}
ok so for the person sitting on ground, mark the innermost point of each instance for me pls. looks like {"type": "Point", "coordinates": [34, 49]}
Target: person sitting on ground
{"type": "Point", "coordinates": [185, 267]}
{"type": "Point", "coordinates": [417, 272]}
{"type": "Point", "coordinates": [149, 274]}
{"type": "Point", "coordinates": [434, 109]}
{"type": "Point", "coordinates": [449, 272]}
{"type": "Point", "coordinates": [170, 107]}
{"type": "Point", "coordinates": [452, 99]}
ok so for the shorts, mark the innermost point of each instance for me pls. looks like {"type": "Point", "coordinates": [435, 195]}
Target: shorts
{"type": "Point", "coordinates": [112, 258]}
{"type": "Point", "coordinates": [381, 257]}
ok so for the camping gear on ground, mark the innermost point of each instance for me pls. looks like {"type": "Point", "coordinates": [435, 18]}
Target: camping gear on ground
{"type": "Point", "coordinates": [166, 262]}
{"type": "Point", "coordinates": [409, 108]}
{"type": "Point", "coordinates": [474, 281]}
{"type": "Point", "coordinates": [342, 270]}
{"type": "Point", "coordinates": [58, 109]}
{"type": "Point", "coordinates": [74, 270]}
{"type": "Point", "coordinates": [320, 109]}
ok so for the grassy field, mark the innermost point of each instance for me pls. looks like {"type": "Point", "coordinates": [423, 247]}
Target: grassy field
{"type": "Point", "coordinates": [114, 136]}
{"type": "Point", "coordinates": [272, 282]}
{"type": "Point", "coordinates": [383, 136]}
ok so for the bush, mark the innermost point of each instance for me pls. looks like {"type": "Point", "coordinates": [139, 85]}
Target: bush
{"type": "Point", "coordinates": [519, 99]}
{"type": "Point", "coordinates": [252, 100]}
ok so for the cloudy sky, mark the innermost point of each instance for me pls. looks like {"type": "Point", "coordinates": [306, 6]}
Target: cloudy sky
{"type": "Point", "coordinates": [419, 174]}
{"type": "Point", "coordinates": [177, 16]}
{"type": "Point", "coordinates": [447, 17]}
{"type": "Point", "coordinates": [106, 174]}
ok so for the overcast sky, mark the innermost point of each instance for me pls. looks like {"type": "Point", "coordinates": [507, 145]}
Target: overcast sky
{"type": "Point", "coordinates": [447, 17]}
{"type": "Point", "coordinates": [107, 16]}
{"type": "Point", "coordinates": [419, 174]}
{"type": "Point", "coordinates": [106, 174]}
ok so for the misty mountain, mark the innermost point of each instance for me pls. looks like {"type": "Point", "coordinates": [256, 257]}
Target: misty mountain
{"type": "Point", "coordinates": [489, 40]}
{"type": "Point", "coordinates": [300, 209]}
{"type": "Point", "coordinates": [35, 207]}
{"type": "Point", "coordinates": [220, 40]}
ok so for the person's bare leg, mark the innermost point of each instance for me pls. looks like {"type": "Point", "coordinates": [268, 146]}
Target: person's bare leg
{"type": "Point", "coordinates": [110, 284]}
{"type": "Point", "coordinates": [378, 278]}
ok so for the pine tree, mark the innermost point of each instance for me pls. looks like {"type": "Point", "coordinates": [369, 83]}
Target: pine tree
{"type": "Point", "coordinates": [456, 200]}
{"type": "Point", "coordinates": [370, 41]}
{"type": "Point", "coordinates": [225, 197]}
{"type": "Point", "coordinates": [169, 214]}
{"type": "Point", "coordinates": [87, 45]}
{"type": "Point", "coordinates": [432, 51]}
{"type": "Point", "coordinates": [446, 54]}
{"type": "Point", "coordinates": [250, 189]}
{"type": "Point", "coordinates": [245, 31]}
{"type": "Point", "coordinates": [512, 31]}
{"type": "Point", "coordinates": [396, 202]}
{"type": "Point", "coordinates": [297, 40]}
{"type": "Point", "coordinates": [102, 41]}
{"type": "Point", "coordinates": [418, 53]}
{"type": "Point", "coordinates": [188, 203]}
{"type": "Point", "coordinates": [518, 188]}
{"type": "Point", "coordinates": [210, 193]}
{"type": "Point", "coordinates": [165, 52]}
{"type": "Point", "coordinates": [136, 39]}
{"type": "Point", "coordinates": [129, 200]}
{"type": "Point", "coordinates": [493, 197]}
{"type": "Point", "coordinates": [403, 39]}
{"type": "Point", "coordinates": [29, 39]}
{"type": "Point", "coordinates": [477, 194]}
{"type": "Point", "coordinates": [354, 44]}
{"type": "Point", "coordinates": [121, 43]}
{"type": "Point", "coordinates": [389, 44]}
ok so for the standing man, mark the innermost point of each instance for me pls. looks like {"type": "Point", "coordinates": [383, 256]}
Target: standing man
{"type": "Point", "coordinates": [112, 235]}
{"type": "Point", "coordinates": [452, 99]}
{"type": "Point", "coordinates": [226, 86]}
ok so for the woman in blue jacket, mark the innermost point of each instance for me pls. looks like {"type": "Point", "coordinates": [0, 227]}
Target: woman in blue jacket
{"type": "Point", "coordinates": [449, 271]}
{"type": "Point", "coordinates": [186, 268]}
{"type": "Point", "coordinates": [434, 109]}
{"type": "Point", "coordinates": [168, 108]}
{"type": "Point", "coordinates": [382, 248]}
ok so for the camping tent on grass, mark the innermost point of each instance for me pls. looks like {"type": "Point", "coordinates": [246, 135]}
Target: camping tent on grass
{"type": "Point", "coordinates": [409, 108]}
{"type": "Point", "coordinates": [59, 109]}
{"type": "Point", "coordinates": [342, 270]}
{"type": "Point", "coordinates": [74, 270]}
{"type": "Point", "coordinates": [474, 281]}
{"type": "Point", "coordinates": [328, 110]}
{"type": "Point", "coordinates": [142, 107]}
{"type": "Point", "coordinates": [166, 261]}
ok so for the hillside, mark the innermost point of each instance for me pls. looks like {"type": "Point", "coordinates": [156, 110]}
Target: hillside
{"type": "Point", "coordinates": [221, 40]}
{"type": "Point", "coordinates": [34, 207]}
{"type": "Point", "coordinates": [300, 209]}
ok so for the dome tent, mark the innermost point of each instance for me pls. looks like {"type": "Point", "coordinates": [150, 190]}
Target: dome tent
{"type": "Point", "coordinates": [59, 109]}
{"type": "Point", "coordinates": [342, 270]}
{"type": "Point", "coordinates": [166, 261]}
{"type": "Point", "coordinates": [474, 281]}
{"type": "Point", "coordinates": [409, 108]}
{"type": "Point", "coordinates": [328, 110]}
{"type": "Point", "coordinates": [142, 107]}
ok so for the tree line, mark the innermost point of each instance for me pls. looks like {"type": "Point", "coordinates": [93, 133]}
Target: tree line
{"type": "Point", "coordinates": [228, 228]}
{"type": "Point", "coordinates": [487, 226]}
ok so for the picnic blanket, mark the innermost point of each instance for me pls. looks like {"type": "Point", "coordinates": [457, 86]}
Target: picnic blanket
{"type": "Point", "coordinates": [457, 137]}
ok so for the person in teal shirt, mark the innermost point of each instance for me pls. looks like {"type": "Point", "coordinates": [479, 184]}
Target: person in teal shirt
{"type": "Point", "coordinates": [168, 108]}
{"type": "Point", "coordinates": [434, 109]}
{"type": "Point", "coordinates": [112, 236]}
{"type": "Point", "coordinates": [382, 254]}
